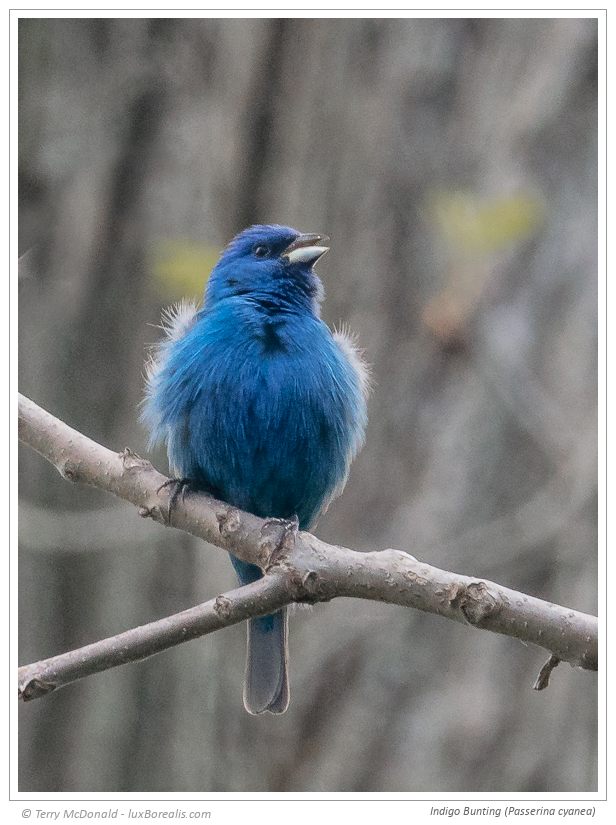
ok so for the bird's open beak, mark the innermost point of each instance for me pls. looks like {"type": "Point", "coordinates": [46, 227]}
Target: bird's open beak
{"type": "Point", "coordinates": [306, 249]}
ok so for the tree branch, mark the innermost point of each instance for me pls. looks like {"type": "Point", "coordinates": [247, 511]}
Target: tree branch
{"type": "Point", "coordinates": [259, 598]}
{"type": "Point", "coordinates": [298, 567]}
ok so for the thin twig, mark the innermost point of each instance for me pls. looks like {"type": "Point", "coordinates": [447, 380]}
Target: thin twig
{"type": "Point", "coordinates": [543, 677]}
{"type": "Point", "coordinates": [261, 597]}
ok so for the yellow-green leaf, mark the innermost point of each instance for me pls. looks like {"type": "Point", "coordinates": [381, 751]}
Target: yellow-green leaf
{"type": "Point", "coordinates": [181, 268]}
{"type": "Point", "coordinates": [474, 225]}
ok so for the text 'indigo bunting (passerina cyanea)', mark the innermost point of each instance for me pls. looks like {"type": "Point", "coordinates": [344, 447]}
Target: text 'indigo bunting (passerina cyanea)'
{"type": "Point", "coordinates": [261, 405]}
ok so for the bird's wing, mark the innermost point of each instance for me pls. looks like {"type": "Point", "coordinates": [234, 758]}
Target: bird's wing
{"type": "Point", "coordinates": [346, 341]}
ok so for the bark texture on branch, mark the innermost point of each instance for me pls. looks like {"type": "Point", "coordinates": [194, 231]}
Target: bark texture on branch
{"type": "Point", "coordinates": [298, 566]}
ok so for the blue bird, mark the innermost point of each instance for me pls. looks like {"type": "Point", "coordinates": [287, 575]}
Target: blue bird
{"type": "Point", "coordinates": [260, 405]}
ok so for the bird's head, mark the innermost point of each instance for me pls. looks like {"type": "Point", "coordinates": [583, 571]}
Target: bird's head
{"type": "Point", "coordinates": [270, 264]}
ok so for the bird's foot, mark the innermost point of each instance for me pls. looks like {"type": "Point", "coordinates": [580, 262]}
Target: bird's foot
{"type": "Point", "coordinates": [179, 488]}
{"type": "Point", "coordinates": [289, 524]}
{"type": "Point", "coordinates": [285, 531]}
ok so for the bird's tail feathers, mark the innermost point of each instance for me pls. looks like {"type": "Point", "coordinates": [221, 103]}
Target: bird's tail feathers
{"type": "Point", "coordinates": [266, 687]}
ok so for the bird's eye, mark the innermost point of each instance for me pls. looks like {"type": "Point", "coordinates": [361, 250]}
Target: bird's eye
{"type": "Point", "coordinates": [261, 251]}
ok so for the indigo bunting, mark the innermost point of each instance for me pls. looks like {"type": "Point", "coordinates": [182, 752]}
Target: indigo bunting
{"type": "Point", "coordinates": [260, 405]}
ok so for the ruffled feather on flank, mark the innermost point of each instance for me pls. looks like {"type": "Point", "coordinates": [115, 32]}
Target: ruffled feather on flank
{"type": "Point", "coordinates": [177, 319]}
{"type": "Point", "coordinates": [347, 342]}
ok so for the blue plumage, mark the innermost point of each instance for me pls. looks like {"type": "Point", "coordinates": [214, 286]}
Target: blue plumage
{"type": "Point", "coordinates": [260, 405]}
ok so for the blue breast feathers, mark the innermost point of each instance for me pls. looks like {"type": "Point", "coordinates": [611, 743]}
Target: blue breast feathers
{"type": "Point", "coordinates": [264, 410]}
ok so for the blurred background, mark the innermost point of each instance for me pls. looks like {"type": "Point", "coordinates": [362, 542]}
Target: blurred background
{"type": "Point", "coordinates": [453, 163]}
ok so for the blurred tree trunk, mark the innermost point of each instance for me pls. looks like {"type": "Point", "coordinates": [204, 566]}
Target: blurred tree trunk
{"type": "Point", "coordinates": [454, 164]}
